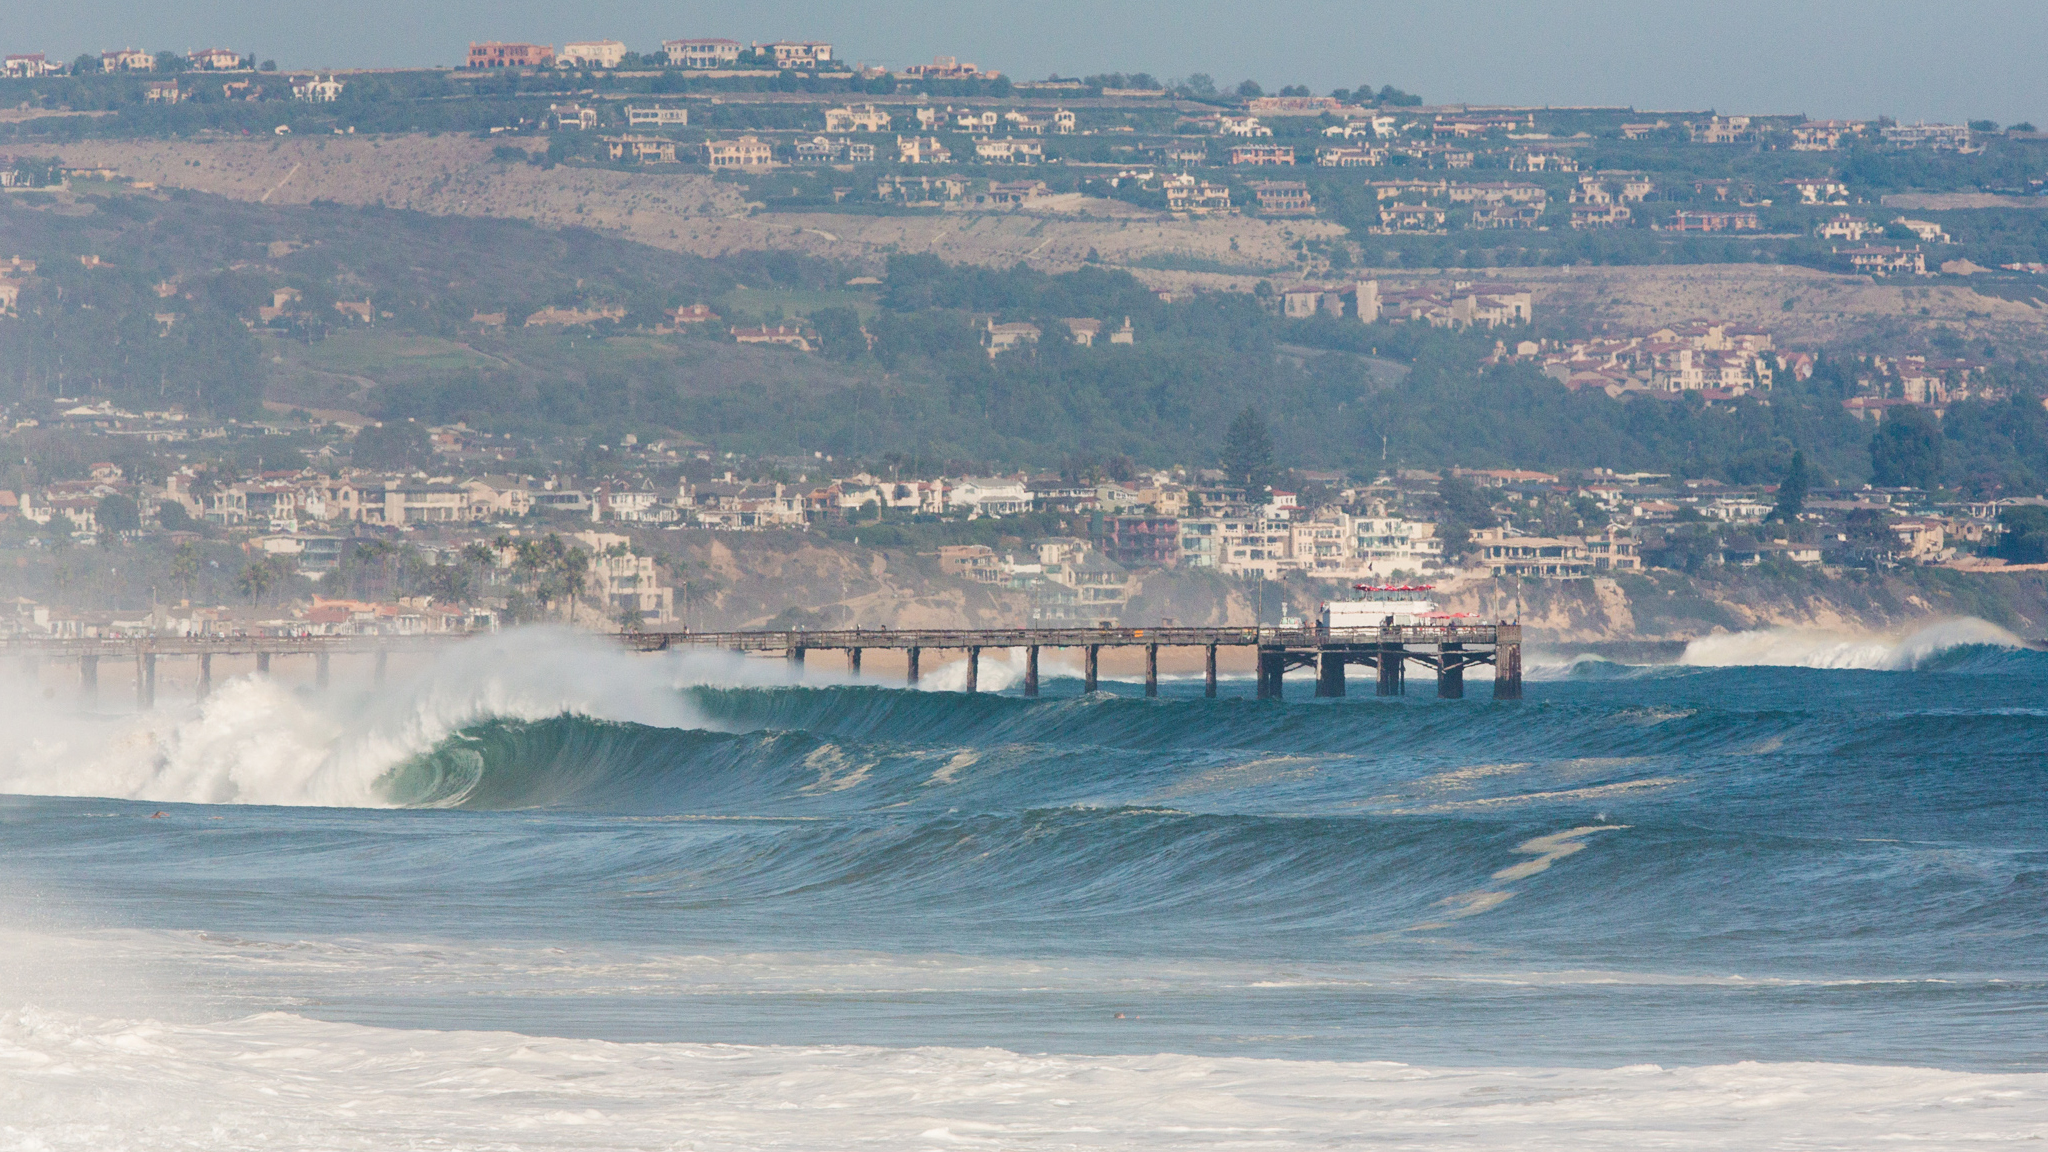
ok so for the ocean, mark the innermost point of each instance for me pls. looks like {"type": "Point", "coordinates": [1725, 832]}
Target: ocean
{"type": "Point", "coordinates": [1787, 891]}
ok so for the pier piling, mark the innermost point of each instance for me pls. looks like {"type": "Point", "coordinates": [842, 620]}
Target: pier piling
{"type": "Point", "coordinates": [1092, 664]}
{"type": "Point", "coordinates": [1330, 674]}
{"type": "Point", "coordinates": [1450, 673]}
{"type": "Point", "coordinates": [973, 669]}
{"type": "Point", "coordinates": [89, 681]}
{"type": "Point", "coordinates": [1507, 670]}
{"type": "Point", "coordinates": [1209, 674]}
{"type": "Point", "coordinates": [853, 661]}
{"type": "Point", "coordinates": [1151, 669]}
{"type": "Point", "coordinates": [914, 654]}
{"type": "Point", "coordinates": [1393, 669]}
{"type": "Point", "coordinates": [1031, 670]}
{"type": "Point", "coordinates": [205, 674]}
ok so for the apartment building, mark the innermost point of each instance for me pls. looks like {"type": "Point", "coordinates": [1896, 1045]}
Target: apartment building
{"type": "Point", "coordinates": [702, 55]}
{"type": "Point", "coordinates": [592, 54]}
{"type": "Point", "coordinates": [1283, 197]}
{"type": "Point", "coordinates": [746, 152]}
{"type": "Point", "coordinates": [499, 54]}
{"type": "Point", "coordinates": [656, 116]}
{"type": "Point", "coordinates": [798, 53]}
{"type": "Point", "coordinates": [644, 149]}
{"type": "Point", "coordinates": [28, 66]}
{"type": "Point", "coordinates": [1262, 155]}
{"type": "Point", "coordinates": [857, 118]}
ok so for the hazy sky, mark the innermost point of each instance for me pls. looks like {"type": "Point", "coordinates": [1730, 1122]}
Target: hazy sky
{"type": "Point", "coordinates": [1904, 58]}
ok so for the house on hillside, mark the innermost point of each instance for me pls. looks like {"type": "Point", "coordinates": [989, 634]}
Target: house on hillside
{"type": "Point", "coordinates": [746, 152]}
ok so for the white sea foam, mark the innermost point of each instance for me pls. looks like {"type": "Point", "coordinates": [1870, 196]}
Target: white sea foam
{"type": "Point", "coordinates": [69, 1081]}
{"type": "Point", "coordinates": [1805, 648]}
{"type": "Point", "coordinates": [256, 740]}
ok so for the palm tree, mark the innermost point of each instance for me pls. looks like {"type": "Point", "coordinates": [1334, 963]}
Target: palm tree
{"type": "Point", "coordinates": [185, 567]}
{"type": "Point", "coordinates": [255, 580]}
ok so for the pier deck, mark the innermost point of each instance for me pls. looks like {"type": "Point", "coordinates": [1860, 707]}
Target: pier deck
{"type": "Point", "coordinates": [1447, 649]}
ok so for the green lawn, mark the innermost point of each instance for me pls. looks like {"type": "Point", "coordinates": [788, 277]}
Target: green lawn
{"type": "Point", "coordinates": [368, 353]}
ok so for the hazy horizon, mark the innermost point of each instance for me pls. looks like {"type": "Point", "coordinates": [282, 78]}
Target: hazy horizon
{"type": "Point", "coordinates": [1886, 58]}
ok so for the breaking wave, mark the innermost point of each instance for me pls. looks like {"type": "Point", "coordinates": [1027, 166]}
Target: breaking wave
{"type": "Point", "coordinates": [1924, 647]}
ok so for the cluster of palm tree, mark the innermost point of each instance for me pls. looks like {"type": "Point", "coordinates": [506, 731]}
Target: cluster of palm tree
{"type": "Point", "coordinates": [547, 569]}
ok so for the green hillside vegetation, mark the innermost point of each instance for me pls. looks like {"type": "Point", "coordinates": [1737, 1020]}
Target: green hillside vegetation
{"type": "Point", "coordinates": [902, 371]}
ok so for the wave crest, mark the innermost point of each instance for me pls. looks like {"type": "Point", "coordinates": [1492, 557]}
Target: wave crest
{"type": "Point", "coordinates": [1814, 648]}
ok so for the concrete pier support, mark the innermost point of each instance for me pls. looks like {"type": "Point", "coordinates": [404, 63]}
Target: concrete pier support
{"type": "Point", "coordinates": [1450, 683]}
{"type": "Point", "coordinates": [795, 655]}
{"type": "Point", "coordinates": [320, 671]}
{"type": "Point", "coordinates": [1393, 670]}
{"type": "Point", "coordinates": [1209, 674]}
{"type": "Point", "coordinates": [205, 674]}
{"type": "Point", "coordinates": [1507, 672]}
{"type": "Point", "coordinates": [853, 661]}
{"type": "Point", "coordinates": [1091, 667]}
{"type": "Point", "coordinates": [1330, 674]}
{"type": "Point", "coordinates": [973, 669]}
{"type": "Point", "coordinates": [1031, 670]}
{"type": "Point", "coordinates": [915, 655]}
{"type": "Point", "coordinates": [145, 680]}
{"type": "Point", "coordinates": [1151, 669]}
{"type": "Point", "coordinates": [89, 681]}
{"type": "Point", "coordinates": [263, 663]}
{"type": "Point", "coordinates": [383, 665]}
{"type": "Point", "coordinates": [1272, 679]}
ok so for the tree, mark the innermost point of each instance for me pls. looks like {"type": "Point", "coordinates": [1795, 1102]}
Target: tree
{"type": "Point", "coordinates": [840, 331]}
{"type": "Point", "coordinates": [117, 513]}
{"type": "Point", "coordinates": [185, 565]}
{"type": "Point", "coordinates": [255, 580]}
{"type": "Point", "coordinates": [2023, 534]}
{"type": "Point", "coordinates": [1250, 90]}
{"type": "Point", "coordinates": [1792, 490]}
{"type": "Point", "coordinates": [393, 444]}
{"type": "Point", "coordinates": [1248, 452]}
{"type": "Point", "coordinates": [86, 64]}
{"type": "Point", "coordinates": [1905, 452]}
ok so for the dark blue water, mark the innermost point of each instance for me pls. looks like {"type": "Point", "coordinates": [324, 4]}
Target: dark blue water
{"type": "Point", "coordinates": [1676, 865]}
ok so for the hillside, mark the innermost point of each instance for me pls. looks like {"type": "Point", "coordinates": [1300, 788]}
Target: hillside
{"type": "Point", "coordinates": [705, 216]}
{"type": "Point", "coordinates": [698, 214]}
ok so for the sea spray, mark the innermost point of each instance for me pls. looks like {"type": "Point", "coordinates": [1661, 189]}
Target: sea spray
{"type": "Point", "coordinates": [256, 740]}
{"type": "Point", "coordinates": [1806, 648]}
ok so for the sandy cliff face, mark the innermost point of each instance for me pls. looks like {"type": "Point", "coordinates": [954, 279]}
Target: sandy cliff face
{"type": "Point", "coordinates": [1668, 606]}
{"type": "Point", "coordinates": [797, 580]}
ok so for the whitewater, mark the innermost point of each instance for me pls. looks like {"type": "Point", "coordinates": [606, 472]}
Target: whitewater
{"type": "Point", "coordinates": [1785, 890]}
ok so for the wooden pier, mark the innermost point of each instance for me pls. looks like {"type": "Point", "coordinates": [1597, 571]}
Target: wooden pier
{"type": "Point", "coordinates": [1446, 649]}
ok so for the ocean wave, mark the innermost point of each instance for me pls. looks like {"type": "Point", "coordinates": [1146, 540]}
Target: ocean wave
{"type": "Point", "coordinates": [277, 1079]}
{"type": "Point", "coordinates": [1927, 646]}
{"type": "Point", "coordinates": [255, 740]}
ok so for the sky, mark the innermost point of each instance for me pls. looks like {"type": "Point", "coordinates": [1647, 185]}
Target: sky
{"type": "Point", "coordinates": [1968, 59]}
